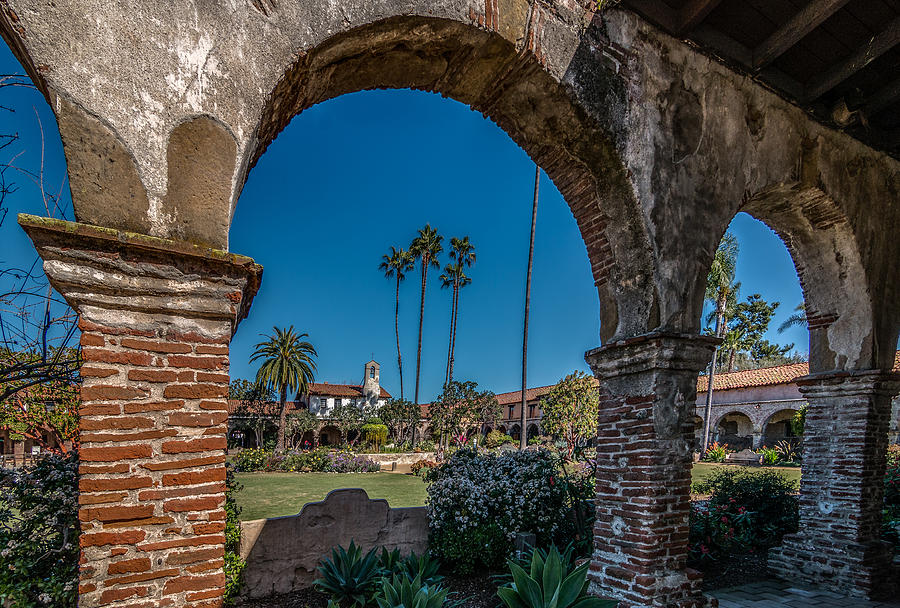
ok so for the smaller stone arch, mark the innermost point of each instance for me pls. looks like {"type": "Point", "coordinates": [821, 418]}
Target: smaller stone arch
{"type": "Point", "coordinates": [533, 431]}
{"type": "Point", "coordinates": [329, 435]}
{"type": "Point", "coordinates": [736, 429]}
{"type": "Point", "coordinates": [777, 427]}
{"type": "Point", "coordinates": [515, 431]}
{"type": "Point", "coordinates": [502, 429]}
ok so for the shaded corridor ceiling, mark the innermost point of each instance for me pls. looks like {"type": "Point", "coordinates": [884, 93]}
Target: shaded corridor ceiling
{"type": "Point", "coordinates": [838, 59]}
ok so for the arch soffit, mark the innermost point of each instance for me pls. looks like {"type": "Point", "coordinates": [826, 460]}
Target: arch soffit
{"type": "Point", "coordinates": [832, 275]}
{"type": "Point", "coordinates": [768, 419]}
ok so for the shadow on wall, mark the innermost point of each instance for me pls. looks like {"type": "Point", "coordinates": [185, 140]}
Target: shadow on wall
{"type": "Point", "coordinates": [282, 553]}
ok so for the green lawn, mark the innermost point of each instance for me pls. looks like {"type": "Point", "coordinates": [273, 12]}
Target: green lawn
{"type": "Point", "coordinates": [276, 494]}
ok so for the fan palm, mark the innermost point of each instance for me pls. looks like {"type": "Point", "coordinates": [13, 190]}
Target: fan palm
{"type": "Point", "coordinates": [287, 365]}
{"type": "Point", "coordinates": [462, 252]}
{"type": "Point", "coordinates": [396, 265]}
{"type": "Point", "coordinates": [426, 247]}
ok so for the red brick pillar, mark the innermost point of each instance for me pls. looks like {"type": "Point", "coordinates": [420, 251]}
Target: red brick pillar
{"type": "Point", "coordinates": [645, 443]}
{"type": "Point", "coordinates": [156, 318]}
{"type": "Point", "coordinates": [839, 544]}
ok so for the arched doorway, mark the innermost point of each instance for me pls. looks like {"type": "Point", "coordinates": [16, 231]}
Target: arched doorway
{"type": "Point", "coordinates": [735, 429]}
{"type": "Point", "coordinates": [778, 427]}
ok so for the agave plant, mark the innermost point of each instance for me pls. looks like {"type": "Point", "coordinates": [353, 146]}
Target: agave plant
{"type": "Point", "coordinates": [349, 577]}
{"type": "Point", "coordinates": [390, 561]}
{"type": "Point", "coordinates": [548, 586]}
{"type": "Point", "coordinates": [423, 567]}
{"type": "Point", "coordinates": [566, 558]}
{"type": "Point", "coordinates": [400, 591]}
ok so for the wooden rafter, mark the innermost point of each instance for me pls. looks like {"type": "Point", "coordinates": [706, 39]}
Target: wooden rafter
{"type": "Point", "coordinates": [693, 13]}
{"type": "Point", "coordinates": [789, 34]}
{"type": "Point", "coordinates": [875, 48]}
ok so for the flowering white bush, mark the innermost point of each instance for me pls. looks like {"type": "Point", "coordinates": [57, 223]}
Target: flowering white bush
{"type": "Point", "coordinates": [39, 533]}
{"type": "Point", "coordinates": [478, 502]}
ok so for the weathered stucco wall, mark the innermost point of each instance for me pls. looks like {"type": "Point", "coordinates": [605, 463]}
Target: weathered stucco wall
{"type": "Point", "coordinates": [282, 553]}
{"type": "Point", "coordinates": [654, 145]}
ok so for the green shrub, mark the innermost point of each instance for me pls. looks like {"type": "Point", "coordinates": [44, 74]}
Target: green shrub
{"type": "Point", "coordinates": [788, 450]}
{"type": "Point", "coordinates": [746, 509]}
{"type": "Point", "coordinates": [349, 577]}
{"type": "Point", "coordinates": [549, 584]}
{"type": "Point", "coordinates": [770, 456]}
{"type": "Point", "coordinates": [495, 439]}
{"type": "Point", "coordinates": [375, 433]}
{"type": "Point", "coordinates": [478, 502]}
{"type": "Point", "coordinates": [234, 565]}
{"type": "Point", "coordinates": [716, 452]}
{"type": "Point", "coordinates": [39, 533]}
{"type": "Point", "coordinates": [418, 467]}
{"type": "Point", "coordinates": [402, 592]}
{"type": "Point", "coordinates": [251, 459]}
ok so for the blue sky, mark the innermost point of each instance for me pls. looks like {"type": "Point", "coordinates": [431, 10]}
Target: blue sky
{"type": "Point", "coordinates": [351, 177]}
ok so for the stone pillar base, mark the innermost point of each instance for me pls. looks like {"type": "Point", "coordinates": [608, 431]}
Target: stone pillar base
{"type": "Point", "coordinates": [644, 457]}
{"type": "Point", "coordinates": [858, 569]}
{"type": "Point", "coordinates": [838, 545]}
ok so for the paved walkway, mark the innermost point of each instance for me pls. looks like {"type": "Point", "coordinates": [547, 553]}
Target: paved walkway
{"type": "Point", "coordinates": [778, 594]}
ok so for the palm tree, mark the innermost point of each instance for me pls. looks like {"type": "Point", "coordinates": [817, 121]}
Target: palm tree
{"type": "Point", "coordinates": [287, 365]}
{"type": "Point", "coordinates": [396, 265]}
{"type": "Point", "coordinates": [454, 276]}
{"type": "Point", "coordinates": [426, 247]}
{"type": "Point", "coordinates": [720, 290]}
{"type": "Point", "coordinates": [523, 434]}
{"type": "Point", "coordinates": [462, 252]}
{"type": "Point", "coordinates": [798, 318]}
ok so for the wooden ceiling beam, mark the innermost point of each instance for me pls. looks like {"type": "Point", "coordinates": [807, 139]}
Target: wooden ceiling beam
{"type": "Point", "coordinates": [657, 12]}
{"type": "Point", "coordinates": [693, 13]}
{"type": "Point", "coordinates": [876, 47]}
{"type": "Point", "coordinates": [792, 32]}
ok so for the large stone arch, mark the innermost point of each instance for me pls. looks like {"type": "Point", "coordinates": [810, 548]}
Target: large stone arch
{"type": "Point", "coordinates": [820, 239]}
{"type": "Point", "coordinates": [545, 74]}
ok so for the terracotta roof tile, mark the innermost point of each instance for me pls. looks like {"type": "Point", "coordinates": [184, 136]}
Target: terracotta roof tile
{"type": "Point", "coordinates": [764, 376]}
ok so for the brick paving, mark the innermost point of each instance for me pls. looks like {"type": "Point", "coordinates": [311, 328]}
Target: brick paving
{"type": "Point", "coordinates": [774, 594]}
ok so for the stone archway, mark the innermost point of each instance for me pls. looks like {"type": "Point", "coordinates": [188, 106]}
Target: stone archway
{"type": "Point", "coordinates": [653, 145]}
{"type": "Point", "coordinates": [777, 427]}
{"type": "Point", "coordinates": [736, 429]}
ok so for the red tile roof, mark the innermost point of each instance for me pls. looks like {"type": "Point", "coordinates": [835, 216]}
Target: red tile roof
{"type": "Point", "coordinates": [532, 394]}
{"type": "Point", "coordinates": [764, 376]}
{"type": "Point", "coordinates": [317, 389]}
{"type": "Point", "coordinates": [325, 389]}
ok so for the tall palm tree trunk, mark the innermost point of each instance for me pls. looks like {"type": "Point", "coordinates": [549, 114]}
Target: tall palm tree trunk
{"type": "Point", "coordinates": [282, 419]}
{"type": "Point", "coordinates": [453, 334]}
{"type": "Point", "coordinates": [397, 332]}
{"type": "Point", "coordinates": [421, 321]}
{"type": "Point", "coordinates": [450, 337]}
{"type": "Point", "coordinates": [523, 438]}
{"type": "Point", "coordinates": [707, 411]}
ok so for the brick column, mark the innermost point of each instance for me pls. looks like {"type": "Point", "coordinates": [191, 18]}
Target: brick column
{"type": "Point", "coordinates": [156, 318]}
{"type": "Point", "coordinates": [645, 439]}
{"type": "Point", "coordinates": [838, 545]}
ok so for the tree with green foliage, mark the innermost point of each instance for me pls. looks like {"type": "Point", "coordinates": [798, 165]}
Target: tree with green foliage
{"type": "Point", "coordinates": [395, 265]}
{"type": "Point", "coordinates": [720, 289]}
{"type": "Point", "coordinates": [255, 410]}
{"type": "Point", "coordinates": [426, 247]}
{"type": "Point", "coordinates": [462, 254]}
{"type": "Point", "coordinates": [461, 408]}
{"type": "Point", "coordinates": [401, 417]}
{"type": "Point", "coordinates": [297, 424]}
{"type": "Point", "coordinates": [746, 329]}
{"type": "Point", "coordinates": [347, 417]}
{"type": "Point", "coordinates": [287, 365]}
{"type": "Point", "coordinates": [47, 414]}
{"type": "Point", "coordinates": [570, 410]}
